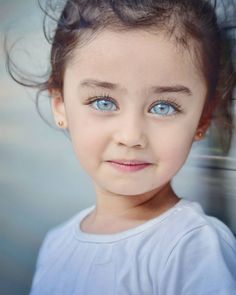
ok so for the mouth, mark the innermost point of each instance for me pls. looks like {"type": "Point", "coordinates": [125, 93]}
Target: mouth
{"type": "Point", "coordinates": [129, 165]}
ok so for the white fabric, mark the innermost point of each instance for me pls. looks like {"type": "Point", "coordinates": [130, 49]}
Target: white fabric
{"type": "Point", "coordinates": [181, 252]}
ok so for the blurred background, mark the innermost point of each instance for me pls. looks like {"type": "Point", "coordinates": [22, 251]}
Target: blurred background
{"type": "Point", "coordinates": [41, 182]}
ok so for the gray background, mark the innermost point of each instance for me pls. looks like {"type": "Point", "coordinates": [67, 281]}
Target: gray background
{"type": "Point", "coordinates": [41, 182]}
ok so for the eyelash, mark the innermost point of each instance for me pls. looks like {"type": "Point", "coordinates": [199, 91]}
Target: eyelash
{"type": "Point", "coordinates": [104, 96]}
{"type": "Point", "coordinates": [171, 102]}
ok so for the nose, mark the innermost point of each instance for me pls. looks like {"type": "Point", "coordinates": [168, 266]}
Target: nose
{"type": "Point", "coordinates": [131, 132]}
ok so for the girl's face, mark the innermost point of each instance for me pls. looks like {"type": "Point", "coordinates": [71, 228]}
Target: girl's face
{"type": "Point", "coordinates": [131, 96]}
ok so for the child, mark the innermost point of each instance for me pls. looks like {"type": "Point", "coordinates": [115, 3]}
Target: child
{"type": "Point", "coordinates": [135, 83]}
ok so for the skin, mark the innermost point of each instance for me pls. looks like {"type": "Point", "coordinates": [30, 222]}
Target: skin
{"type": "Point", "coordinates": [136, 61]}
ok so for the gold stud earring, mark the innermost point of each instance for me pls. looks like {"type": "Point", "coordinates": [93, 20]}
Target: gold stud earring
{"type": "Point", "coordinates": [60, 123]}
{"type": "Point", "coordinates": [200, 134]}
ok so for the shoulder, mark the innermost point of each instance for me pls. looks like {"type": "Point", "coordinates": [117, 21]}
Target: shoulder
{"type": "Point", "coordinates": [196, 230]}
{"type": "Point", "coordinates": [201, 254]}
{"type": "Point", "coordinates": [189, 220]}
{"type": "Point", "coordinates": [59, 236]}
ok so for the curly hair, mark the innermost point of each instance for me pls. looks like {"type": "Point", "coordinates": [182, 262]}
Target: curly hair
{"type": "Point", "coordinates": [187, 21]}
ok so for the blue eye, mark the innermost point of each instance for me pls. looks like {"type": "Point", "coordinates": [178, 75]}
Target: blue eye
{"type": "Point", "coordinates": [103, 104]}
{"type": "Point", "coordinates": [163, 109]}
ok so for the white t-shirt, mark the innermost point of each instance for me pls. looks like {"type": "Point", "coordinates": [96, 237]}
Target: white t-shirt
{"type": "Point", "coordinates": [181, 252]}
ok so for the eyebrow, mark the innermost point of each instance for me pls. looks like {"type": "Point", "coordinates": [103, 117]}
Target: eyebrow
{"type": "Point", "coordinates": [101, 84]}
{"type": "Point", "coordinates": [154, 89]}
{"type": "Point", "coordinates": [172, 89]}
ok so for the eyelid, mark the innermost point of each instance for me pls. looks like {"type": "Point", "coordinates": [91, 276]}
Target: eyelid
{"type": "Point", "coordinates": [106, 97]}
{"type": "Point", "coordinates": [100, 97]}
{"type": "Point", "coordinates": [169, 101]}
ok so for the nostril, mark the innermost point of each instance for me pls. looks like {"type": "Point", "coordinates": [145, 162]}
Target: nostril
{"type": "Point", "coordinates": [130, 133]}
{"type": "Point", "coordinates": [132, 142]}
{"type": "Point", "coordinates": [135, 145]}
{"type": "Point", "coordinates": [138, 145]}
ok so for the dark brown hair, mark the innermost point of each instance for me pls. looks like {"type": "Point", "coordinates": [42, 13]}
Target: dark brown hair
{"type": "Point", "coordinates": [184, 20]}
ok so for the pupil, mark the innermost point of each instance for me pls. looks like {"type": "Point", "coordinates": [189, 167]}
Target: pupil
{"type": "Point", "coordinates": [163, 108]}
{"type": "Point", "coordinates": [105, 104]}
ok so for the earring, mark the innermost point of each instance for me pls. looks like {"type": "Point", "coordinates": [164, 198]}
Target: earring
{"type": "Point", "coordinates": [200, 134]}
{"type": "Point", "coordinates": [60, 123]}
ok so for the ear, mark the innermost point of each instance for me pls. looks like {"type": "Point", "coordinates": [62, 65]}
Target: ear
{"type": "Point", "coordinates": [58, 108]}
{"type": "Point", "coordinates": [205, 121]}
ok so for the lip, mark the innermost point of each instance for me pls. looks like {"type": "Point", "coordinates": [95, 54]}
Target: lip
{"type": "Point", "coordinates": [129, 165]}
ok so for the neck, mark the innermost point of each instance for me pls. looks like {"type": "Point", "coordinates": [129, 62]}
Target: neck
{"type": "Point", "coordinates": [138, 207]}
{"type": "Point", "coordinates": [114, 214]}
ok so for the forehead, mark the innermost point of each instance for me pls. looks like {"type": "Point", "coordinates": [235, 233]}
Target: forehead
{"type": "Point", "coordinates": [138, 56]}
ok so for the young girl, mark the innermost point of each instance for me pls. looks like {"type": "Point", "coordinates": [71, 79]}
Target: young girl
{"type": "Point", "coordinates": [135, 83]}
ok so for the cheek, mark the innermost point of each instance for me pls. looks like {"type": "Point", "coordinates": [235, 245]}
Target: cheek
{"type": "Point", "coordinates": [171, 153]}
{"type": "Point", "coordinates": [87, 141]}
{"type": "Point", "coordinates": [84, 141]}
{"type": "Point", "coordinates": [83, 147]}
{"type": "Point", "coordinates": [174, 143]}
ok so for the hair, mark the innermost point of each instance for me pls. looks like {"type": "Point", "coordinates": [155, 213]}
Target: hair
{"type": "Point", "coordinates": [191, 23]}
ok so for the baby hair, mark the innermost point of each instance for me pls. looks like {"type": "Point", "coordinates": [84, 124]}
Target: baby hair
{"type": "Point", "coordinates": [191, 23]}
{"type": "Point", "coordinates": [169, 72]}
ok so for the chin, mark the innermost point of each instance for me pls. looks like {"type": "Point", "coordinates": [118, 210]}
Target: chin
{"type": "Point", "coordinates": [130, 191]}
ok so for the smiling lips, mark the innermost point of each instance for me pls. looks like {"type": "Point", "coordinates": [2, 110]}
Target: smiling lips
{"type": "Point", "coordinates": [128, 165]}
